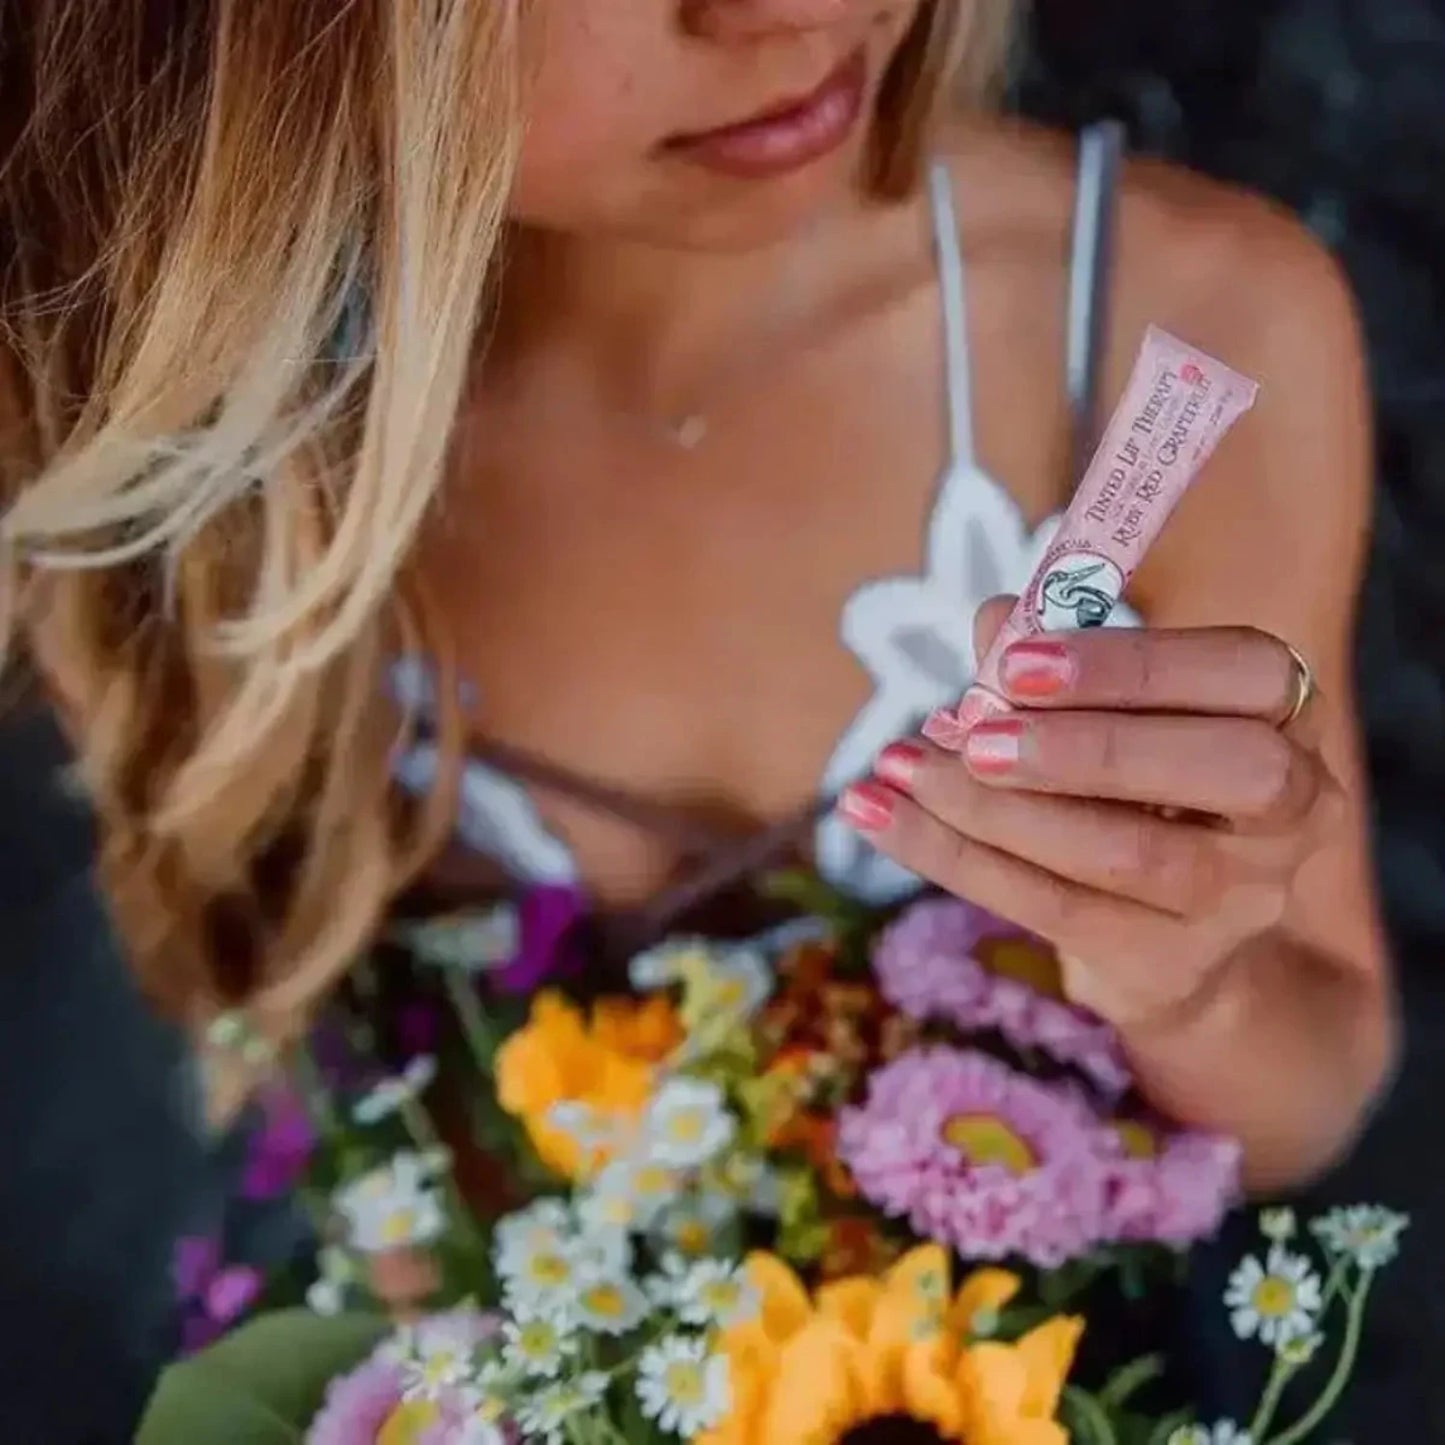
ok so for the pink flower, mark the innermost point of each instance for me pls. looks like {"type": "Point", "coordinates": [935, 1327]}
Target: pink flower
{"type": "Point", "coordinates": [358, 1405]}
{"type": "Point", "coordinates": [1171, 1188]}
{"type": "Point", "coordinates": [928, 967]}
{"type": "Point", "coordinates": [975, 1155]}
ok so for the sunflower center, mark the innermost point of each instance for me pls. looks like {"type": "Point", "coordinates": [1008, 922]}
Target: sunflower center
{"type": "Point", "coordinates": [1273, 1297]}
{"type": "Point", "coordinates": [985, 1139]}
{"type": "Point", "coordinates": [892, 1430]}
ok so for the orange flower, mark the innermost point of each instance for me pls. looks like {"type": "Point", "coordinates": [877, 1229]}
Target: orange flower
{"type": "Point", "coordinates": [607, 1063]}
{"type": "Point", "coordinates": [809, 1369]}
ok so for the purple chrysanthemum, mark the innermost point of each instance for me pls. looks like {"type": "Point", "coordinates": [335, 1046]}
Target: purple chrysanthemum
{"type": "Point", "coordinates": [279, 1150]}
{"type": "Point", "coordinates": [1176, 1192]}
{"type": "Point", "coordinates": [547, 942]}
{"type": "Point", "coordinates": [926, 967]}
{"type": "Point", "coordinates": [980, 1157]}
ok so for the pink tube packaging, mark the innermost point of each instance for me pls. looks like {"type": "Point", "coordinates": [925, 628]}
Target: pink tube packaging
{"type": "Point", "coordinates": [1178, 405]}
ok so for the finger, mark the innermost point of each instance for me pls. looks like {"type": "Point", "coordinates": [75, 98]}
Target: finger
{"type": "Point", "coordinates": [1227, 671]}
{"type": "Point", "coordinates": [1178, 868]}
{"type": "Point", "coordinates": [988, 619]}
{"type": "Point", "coordinates": [1237, 769]}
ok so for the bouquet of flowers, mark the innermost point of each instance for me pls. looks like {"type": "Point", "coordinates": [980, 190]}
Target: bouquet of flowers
{"type": "Point", "coordinates": [854, 1182]}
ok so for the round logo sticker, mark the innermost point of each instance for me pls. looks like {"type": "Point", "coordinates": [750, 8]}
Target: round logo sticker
{"type": "Point", "coordinates": [1079, 590]}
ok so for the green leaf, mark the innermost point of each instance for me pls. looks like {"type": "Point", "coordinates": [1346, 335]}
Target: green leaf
{"type": "Point", "coordinates": [1166, 1428]}
{"type": "Point", "coordinates": [1088, 1421]}
{"type": "Point", "coordinates": [1127, 1381]}
{"type": "Point", "coordinates": [261, 1385]}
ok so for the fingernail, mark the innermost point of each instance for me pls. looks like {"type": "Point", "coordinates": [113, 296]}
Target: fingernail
{"type": "Point", "coordinates": [867, 806]}
{"type": "Point", "coordinates": [898, 764]}
{"type": "Point", "coordinates": [995, 747]}
{"type": "Point", "coordinates": [943, 729]}
{"type": "Point", "coordinates": [1037, 669]}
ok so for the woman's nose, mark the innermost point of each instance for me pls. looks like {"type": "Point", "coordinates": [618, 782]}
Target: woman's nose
{"type": "Point", "coordinates": [753, 19]}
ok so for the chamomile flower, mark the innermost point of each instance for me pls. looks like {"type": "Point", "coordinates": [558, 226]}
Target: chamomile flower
{"type": "Point", "coordinates": [711, 1292]}
{"type": "Point", "coordinates": [595, 1133]}
{"type": "Point", "coordinates": [1278, 1225]}
{"type": "Point", "coordinates": [1276, 1300]}
{"type": "Point", "coordinates": [629, 1194]}
{"type": "Point", "coordinates": [670, 963]}
{"type": "Point", "coordinates": [546, 1415]}
{"type": "Point", "coordinates": [536, 1344]}
{"type": "Point", "coordinates": [336, 1274]}
{"type": "Point", "coordinates": [1225, 1432]}
{"type": "Point", "coordinates": [1366, 1234]}
{"type": "Point", "coordinates": [696, 1226]}
{"type": "Point", "coordinates": [393, 1207]}
{"type": "Point", "coordinates": [686, 1123]}
{"type": "Point", "coordinates": [1299, 1350]}
{"type": "Point", "coordinates": [732, 985]}
{"type": "Point", "coordinates": [610, 1305]}
{"type": "Point", "coordinates": [436, 1363]}
{"type": "Point", "coordinates": [543, 1222]}
{"type": "Point", "coordinates": [542, 1278]}
{"type": "Point", "coordinates": [395, 1093]}
{"type": "Point", "coordinates": [683, 1386]}
{"type": "Point", "coordinates": [749, 1181]}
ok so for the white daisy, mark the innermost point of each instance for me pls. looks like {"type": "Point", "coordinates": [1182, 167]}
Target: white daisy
{"type": "Point", "coordinates": [733, 985]}
{"type": "Point", "coordinates": [545, 1417]}
{"type": "Point", "coordinates": [541, 1279]}
{"type": "Point", "coordinates": [603, 1249]}
{"type": "Point", "coordinates": [1274, 1301]}
{"type": "Point", "coordinates": [750, 1181]}
{"type": "Point", "coordinates": [670, 963]}
{"type": "Point", "coordinates": [629, 1194]}
{"type": "Point", "coordinates": [391, 1208]}
{"type": "Point", "coordinates": [336, 1273]}
{"type": "Point", "coordinates": [711, 1292]}
{"type": "Point", "coordinates": [471, 941]}
{"type": "Point", "coordinates": [682, 1386]}
{"type": "Point", "coordinates": [1278, 1225]}
{"type": "Point", "coordinates": [1225, 1432]}
{"type": "Point", "coordinates": [610, 1305]}
{"type": "Point", "coordinates": [1299, 1350]}
{"type": "Point", "coordinates": [1366, 1234]}
{"type": "Point", "coordinates": [594, 1132]}
{"type": "Point", "coordinates": [543, 1222]}
{"type": "Point", "coordinates": [696, 1226]}
{"type": "Point", "coordinates": [687, 1123]}
{"type": "Point", "coordinates": [395, 1093]}
{"type": "Point", "coordinates": [536, 1344]}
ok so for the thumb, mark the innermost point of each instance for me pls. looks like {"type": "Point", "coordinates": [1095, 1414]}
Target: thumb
{"type": "Point", "coordinates": [987, 621]}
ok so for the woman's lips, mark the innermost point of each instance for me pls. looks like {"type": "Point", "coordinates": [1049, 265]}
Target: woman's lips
{"type": "Point", "coordinates": [787, 139]}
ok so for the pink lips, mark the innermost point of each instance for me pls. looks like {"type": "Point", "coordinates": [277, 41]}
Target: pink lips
{"type": "Point", "coordinates": [789, 138]}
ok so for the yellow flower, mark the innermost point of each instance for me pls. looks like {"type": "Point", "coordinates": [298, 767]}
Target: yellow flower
{"type": "Point", "coordinates": [606, 1062]}
{"type": "Point", "coordinates": [810, 1369]}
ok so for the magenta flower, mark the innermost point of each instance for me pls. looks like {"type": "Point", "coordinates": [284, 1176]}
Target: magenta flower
{"type": "Point", "coordinates": [980, 1157]}
{"type": "Point", "coordinates": [927, 968]}
{"type": "Point", "coordinates": [213, 1296]}
{"type": "Point", "coordinates": [279, 1150]}
{"type": "Point", "coordinates": [548, 947]}
{"type": "Point", "coordinates": [1170, 1188]}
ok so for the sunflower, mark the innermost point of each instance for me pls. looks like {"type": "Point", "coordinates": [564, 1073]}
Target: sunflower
{"type": "Point", "coordinates": [605, 1063]}
{"type": "Point", "coordinates": [874, 1360]}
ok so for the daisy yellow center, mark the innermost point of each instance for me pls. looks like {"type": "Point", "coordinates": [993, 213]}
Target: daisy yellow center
{"type": "Point", "coordinates": [653, 1180]}
{"type": "Point", "coordinates": [686, 1125]}
{"type": "Point", "coordinates": [1138, 1139]}
{"type": "Point", "coordinates": [1273, 1297]}
{"type": "Point", "coordinates": [397, 1227]}
{"type": "Point", "coordinates": [617, 1210]}
{"type": "Point", "coordinates": [550, 1269]}
{"type": "Point", "coordinates": [605, 1300]}
{"type": "Point", "coordinates": [720, 1294]}
{"type": "Point", "coordinates": [731, 993]}
{"type": "Point", "coordinates": [490, 1410]}
{"type": "Point", "coordinates": [692, 1237]}
{"type": "Point", "coordinates": [984, 1139]}
{"type": "Point", "coordinates": [438, 1367]}
{"type": "Point", "coordinates": [537, 1338]}
{"type": "Point", "coordinates": [684, 1383]}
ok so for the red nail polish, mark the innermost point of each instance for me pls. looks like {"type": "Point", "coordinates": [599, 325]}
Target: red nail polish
{"type": "Point", "coordinates": [1037, 669]}
{"type": "Point", "coordinates": [995, 747]}
{"type": "Point", "coordinates": [898, 764]}
{"type": "Point", "coordinates": [867, 806]}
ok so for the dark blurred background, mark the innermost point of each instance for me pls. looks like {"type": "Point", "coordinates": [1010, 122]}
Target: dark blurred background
{"type": "Point", "coordinates": [1335, 107]}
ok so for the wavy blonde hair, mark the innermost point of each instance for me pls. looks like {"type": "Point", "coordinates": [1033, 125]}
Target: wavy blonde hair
{"type": "Point", "coordinates": [215, 464]}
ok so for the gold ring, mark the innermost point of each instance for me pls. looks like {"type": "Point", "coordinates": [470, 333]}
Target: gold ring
{"type": "Point", "coordinates": [1304, 687]}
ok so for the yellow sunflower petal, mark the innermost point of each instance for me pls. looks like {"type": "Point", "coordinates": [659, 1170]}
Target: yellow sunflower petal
{"type": "Point", "coordinates": [1048, 1355]}
{"type": "Point", "coordinates": [930, 1392]}
{"type": "Point", "coordinates": [851, 1302]}
{"type": "Point", "coordinates": [993, 1382]}
{"type": "Point", "coordinates": [922, 1272]}
{"type": "Point", "coordinates": [815, 1396]}
{"type": "Point", "coordinates": [983, 1290]}
{"type": "Point", "coordinates": [752, 1367]}
{"type": "Point", "coordinates": [786, 1307]}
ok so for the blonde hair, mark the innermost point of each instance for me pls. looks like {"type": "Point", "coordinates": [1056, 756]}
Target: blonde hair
{"type": "Point", "coordinates": [215, 464]}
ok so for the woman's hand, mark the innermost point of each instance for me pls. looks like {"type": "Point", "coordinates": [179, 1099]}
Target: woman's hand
{"type": "Point", "coordinates": [1144, 810]}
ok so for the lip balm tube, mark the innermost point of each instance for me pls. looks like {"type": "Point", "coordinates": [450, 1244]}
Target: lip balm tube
{"type": "Point", "coordinates": [1177, 407]}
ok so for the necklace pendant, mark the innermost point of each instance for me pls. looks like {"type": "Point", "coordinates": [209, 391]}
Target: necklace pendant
{"type": "Point", "coordinates": [689, 432]}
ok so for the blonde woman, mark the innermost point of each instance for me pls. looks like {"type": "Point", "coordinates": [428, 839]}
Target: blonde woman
{"type": "Point", "coordinates": [671, 380]}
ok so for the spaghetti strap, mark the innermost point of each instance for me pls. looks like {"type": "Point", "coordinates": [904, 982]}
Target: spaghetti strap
{"type": "Point", "coordinates": [1101, 149]}
{"type": "Point", "coordinates": [949, 253]}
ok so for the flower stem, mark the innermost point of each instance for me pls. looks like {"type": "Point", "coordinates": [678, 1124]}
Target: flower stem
{"type": "Point", "coordinates": [1269, 1401]}
{"type": "Point", "coordinates": [481, 1038]}
{"type": "Point", "coordinates": [316, 1095]}
{"type": "Point", "coordinates": [1344, 1368]}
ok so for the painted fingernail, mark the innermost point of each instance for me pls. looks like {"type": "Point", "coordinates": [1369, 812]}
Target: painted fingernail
{"type": "Point", "coordinates": [867, 806]}
{"type": "Point", "coordinates": [995, 747]}
{"type": "Point", "coordinates": [943, 729]}
{"type": "Point", "coordinates": [898, 764]}
{"type": "Point", "coordinates": [1037, 669]}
